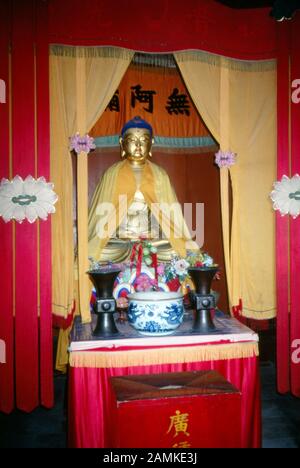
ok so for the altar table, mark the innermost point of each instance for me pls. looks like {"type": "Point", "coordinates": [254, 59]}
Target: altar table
{"type": "Point", "coordinates": [233, 353]}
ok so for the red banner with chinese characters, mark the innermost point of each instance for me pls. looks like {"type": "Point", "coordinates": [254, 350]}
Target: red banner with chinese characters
{"type": "Point", "coordinates": [158, 95]}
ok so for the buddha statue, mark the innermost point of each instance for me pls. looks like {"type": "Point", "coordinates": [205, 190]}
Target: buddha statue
{"type": "Point", "coordinates": [135, 198]}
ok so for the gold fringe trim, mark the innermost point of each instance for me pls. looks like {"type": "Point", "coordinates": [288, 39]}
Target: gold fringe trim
{"type": "Point", "coordinates": [159, 62]}
{"type": "Point", "coordinates": [221, 61]}
{"type": "Point", "coordinates": [88, 52]}
{"type": "Point", "coordinates": [178, 355]}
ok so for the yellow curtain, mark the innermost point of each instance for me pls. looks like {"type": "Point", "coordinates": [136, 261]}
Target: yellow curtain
{"type": "Point", "coordinates": [237, 100]}
{"type": "Point", "coordinates": [82, 82]}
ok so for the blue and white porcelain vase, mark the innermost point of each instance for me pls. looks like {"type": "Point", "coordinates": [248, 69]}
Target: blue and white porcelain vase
{"type": "Point", "coordinates": [155, 313]}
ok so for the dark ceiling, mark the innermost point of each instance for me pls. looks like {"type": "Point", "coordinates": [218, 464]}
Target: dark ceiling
{"type": "Point", "coordinates": [279, 9]}
{"type": "Point", "coordinates": [247, 3]}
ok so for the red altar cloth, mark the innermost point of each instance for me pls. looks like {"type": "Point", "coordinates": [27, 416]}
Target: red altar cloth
{"type": "Point", "coordinates": [91, 398]}
{"type": "Point", "coordinates": [176, 410]}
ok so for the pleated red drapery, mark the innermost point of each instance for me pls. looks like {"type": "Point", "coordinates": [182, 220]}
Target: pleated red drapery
{"type": "Point", "coordinates": [287, 229]}
{"type": "Point", "coordinates": [23, 140]}
{"type": "Point", "coordinates": [282, 228]}
{"type": "Point", "coordinates": [26, 378]}
{"type": "Point", "coordinates": [25, 250]}
{"type": "Point", "coordinates": [43, 169]}
{"type": "Point", "coordinates": [295, 224]}
{"type": "Point", "coordinates": [6, 231]}
{"type": "Point", "coordinates": [164, 26]}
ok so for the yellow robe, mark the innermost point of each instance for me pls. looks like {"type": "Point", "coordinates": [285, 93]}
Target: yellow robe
{"type": "Point", "coordinates": [115, 193]}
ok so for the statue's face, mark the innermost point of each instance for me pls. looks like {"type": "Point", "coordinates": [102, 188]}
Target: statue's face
{"type": "Point", "coordinates": [136, 144]}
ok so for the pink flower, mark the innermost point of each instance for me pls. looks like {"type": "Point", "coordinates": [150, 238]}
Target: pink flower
{"type": "Point", "coordinates": [144, 283]}
{"type": "Point", "coordinates": [225, 158]}
{"type": "Point", "coordinates": [161, 269]}
{"type": "Point", "coordinates": [79, 144]}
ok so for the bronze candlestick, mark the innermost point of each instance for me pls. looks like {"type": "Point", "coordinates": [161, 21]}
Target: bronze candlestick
{"type": "Point", "coordinates": [105, 305]}
{"type": "Point", "coordinates": [202, 299]}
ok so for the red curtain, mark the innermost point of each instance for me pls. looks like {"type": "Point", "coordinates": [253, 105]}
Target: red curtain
{"type": "Point", "coordinates": [164, 26]}
{"type": "Point", "coordinates": [295, 224]}
{"type": "Point", "coordinates": [25, 253]}
{"type": "Point", "coordinates": [26, 317]}
{"type": "Point", "coordinates": [288, 230]}
{"type": "Point", "coordinates": [43, 169]}
{"type": "Point", "coordinates": [6, 231]}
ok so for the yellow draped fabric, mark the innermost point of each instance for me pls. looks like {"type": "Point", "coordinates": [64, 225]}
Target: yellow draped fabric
{"type": "Point", "coordinates": [237, 100]}
{"type": "Point", "coordinates": [116, 190]}
{"type": "Point", "coordinates": [82, 82]}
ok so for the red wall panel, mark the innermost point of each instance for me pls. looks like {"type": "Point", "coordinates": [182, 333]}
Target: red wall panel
{"type": "Point", "coordinates": [43, 169]}
{"type": "Point", "coordinates": [295, 223]}
{"type": "Point", "coordinates": [6, 229]}
{"type": "Point", "coordinates": [23, 143]}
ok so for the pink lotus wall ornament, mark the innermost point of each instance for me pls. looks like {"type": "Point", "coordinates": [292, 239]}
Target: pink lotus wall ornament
{"type": "Point", "coordinates": [225, 158]}
{"type": "Point", "coordinates": [286, 195]}
{"type": "Point", "coordinates": [82, 143]}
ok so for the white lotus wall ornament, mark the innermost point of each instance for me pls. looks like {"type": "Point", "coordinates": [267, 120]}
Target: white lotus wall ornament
{"type": "Point", "coordinates": [286, 195]}
{"type": "Point", "coordinates": [26, 199]}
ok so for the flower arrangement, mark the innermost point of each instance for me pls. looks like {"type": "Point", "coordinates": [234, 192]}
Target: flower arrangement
{"type": "Point", "coordinates": [176, 268]}
{"type": "Point", "coordinates": [200, 259]}
{"type": "Point", "coordinates": [144, 283]}
{"type": "Point", "coordinates": [143, 252]}
{"type": "Point", "coordinates": [173, 274]}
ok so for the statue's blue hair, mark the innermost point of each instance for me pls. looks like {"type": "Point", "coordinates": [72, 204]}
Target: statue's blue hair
{"type": "Point", "coordinates": [136, 122]}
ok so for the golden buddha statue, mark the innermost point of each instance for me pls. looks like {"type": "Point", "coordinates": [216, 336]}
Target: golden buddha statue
{"type": "Point", "coordinates": [135, 198]}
